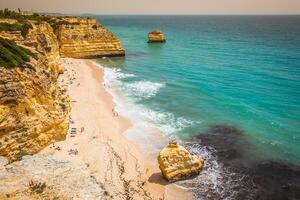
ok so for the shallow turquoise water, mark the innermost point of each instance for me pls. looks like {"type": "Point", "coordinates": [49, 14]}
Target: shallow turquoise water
{"type": "Point", "coordinates": [234, 70]}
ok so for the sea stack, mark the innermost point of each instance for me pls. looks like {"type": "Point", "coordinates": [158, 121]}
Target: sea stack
{"type": "Point", "coordinates": [156, 36]}
{"type": "Point", "coordinates": [176, 163]}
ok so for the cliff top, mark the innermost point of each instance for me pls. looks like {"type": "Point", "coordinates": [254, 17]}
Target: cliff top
{"type": "Point", "coordinates": [156, 31]}
{"type": "Point", "coordinates": [90, 21]}
{"type": "Point", "coordinates": [12, 21]}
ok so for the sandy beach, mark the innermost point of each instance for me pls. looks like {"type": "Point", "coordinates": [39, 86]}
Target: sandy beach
{"type": "Point", "coordinates": [97, 139]}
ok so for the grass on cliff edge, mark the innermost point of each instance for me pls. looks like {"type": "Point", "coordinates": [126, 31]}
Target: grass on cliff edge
{"type": "Point", "coordinates": [12, 55]}
{"type": "Point", "coordinates": [24, 25]}
{"type": "Point", "coordinates": [24, 28]}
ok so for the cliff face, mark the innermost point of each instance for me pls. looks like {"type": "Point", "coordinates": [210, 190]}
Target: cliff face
{"type": "Point", "coordinates": [87, 39]}
{"type": "Point", "coordinates": [33, 110]}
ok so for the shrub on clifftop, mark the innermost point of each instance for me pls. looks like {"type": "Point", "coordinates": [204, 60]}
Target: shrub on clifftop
{"type": "Point", "coordinates": [12, 55]}
{"type": "Point", "coordinates": [23, 27]}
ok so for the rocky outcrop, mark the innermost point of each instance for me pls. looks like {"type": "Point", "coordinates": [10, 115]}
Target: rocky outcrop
{"type": "Point", "coordinates": [86, 38]}
{"type": "Point", "coordinates": [78, 20]}
{"type": "Point", "coordinates": [46, 177]}
{"type": "Point", "coordinates": [8, 21]}
{"type": "Point", "coordinates": [12, 35]}
{"type": "Point", "coordinates": [33, 110]}
{"type": "Point", "coordinates": [42, 38]}
{"type": "Point", "coordinates": [176, 163]}
{"type": "Point", "coordinates": [156, 36]}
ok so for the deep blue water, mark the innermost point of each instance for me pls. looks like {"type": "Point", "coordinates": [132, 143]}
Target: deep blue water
{"type": "Point", "coordinates": [241, 71]}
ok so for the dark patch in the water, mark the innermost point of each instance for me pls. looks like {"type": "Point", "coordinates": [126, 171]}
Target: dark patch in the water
{"type": "Point", "coordinates": [241, 179]}
{"type": "Point", "coordinates": [276, 180]}
{"type": "Point", "coordinates": [228, 141]}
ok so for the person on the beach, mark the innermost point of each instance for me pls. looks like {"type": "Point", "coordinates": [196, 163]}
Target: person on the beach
{"type": "Point", "coordinates": [115, 113]}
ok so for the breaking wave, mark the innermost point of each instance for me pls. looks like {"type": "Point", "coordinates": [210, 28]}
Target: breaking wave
{"type": "Point", "coordinates": [143, 89]}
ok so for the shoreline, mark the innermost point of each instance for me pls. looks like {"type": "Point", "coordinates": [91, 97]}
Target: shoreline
{"type": "Point", "coordinates": [111, 158]}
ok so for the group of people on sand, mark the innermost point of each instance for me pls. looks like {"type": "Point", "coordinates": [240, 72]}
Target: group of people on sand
{"type": "Point", "coordinates": [70, 78]}
{"type": "Point", "coordinates": [73, 152]}
{"type": "Point", "coordinates": [56, 148]}
{"type": "Point", "coordinates": [104, 85]}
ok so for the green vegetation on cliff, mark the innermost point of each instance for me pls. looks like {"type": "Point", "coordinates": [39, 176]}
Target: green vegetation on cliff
{"type": "Point", "coordinates": [24, 25]}
{"type": "Point", "coordinates": [12, 55]}
{"type": "Point", "coordinates": [24, 28]}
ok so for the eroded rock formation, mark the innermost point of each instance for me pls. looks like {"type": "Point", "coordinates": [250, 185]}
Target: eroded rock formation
{"type": "Point", "coordinates": [46, 177]}
{"type": "Point", "coordinates": [33, 110]}
{"type": "Point", "coordinates": [86, 38]}
{"type": "Point", "coordinates": [156, 36]}
{"type": "Point", "coordinates": [176, 163]}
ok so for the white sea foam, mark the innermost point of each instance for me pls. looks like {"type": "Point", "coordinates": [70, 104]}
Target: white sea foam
{"type": "Point", "coordinates": [211, 176]}
{"type": "Point", "coordinates": [143, 89]}
{"type": "Point", "coordinates": [111, 74]}
{"type": "Point", "coordinates": [166, 122]}
{"type": "Point", "coordinates": [145, 120]}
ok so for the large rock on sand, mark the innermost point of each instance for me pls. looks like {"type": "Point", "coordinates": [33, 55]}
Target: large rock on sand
{"type": "Point", "coordinates": [176, 163]}
{"type": "Point", "coordinates": [156, 36]}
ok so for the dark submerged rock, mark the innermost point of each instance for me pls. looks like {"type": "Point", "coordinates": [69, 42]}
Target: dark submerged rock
{"type": "Point", "coordinates": [240, 176]}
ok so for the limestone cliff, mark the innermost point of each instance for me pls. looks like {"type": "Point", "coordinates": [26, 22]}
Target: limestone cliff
{"type": "Point", "coordinates": [86, 38]}
{"type": "Point", "coordinates": [33, 110]}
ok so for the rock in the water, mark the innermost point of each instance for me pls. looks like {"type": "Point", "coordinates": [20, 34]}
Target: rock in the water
{"type": "Point", "coordinates": [176, 163]}
{"type": "Point", "coordinates": [156, 36]}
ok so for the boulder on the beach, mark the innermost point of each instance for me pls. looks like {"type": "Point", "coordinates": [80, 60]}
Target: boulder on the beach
{"type": "Point", "coordinates": [156, 36]}
{"type": "Point", "coordinates": [176, 163]}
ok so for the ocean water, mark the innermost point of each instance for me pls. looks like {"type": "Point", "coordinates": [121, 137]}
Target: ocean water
{"type": "Point", "coordinates": [227, 87]}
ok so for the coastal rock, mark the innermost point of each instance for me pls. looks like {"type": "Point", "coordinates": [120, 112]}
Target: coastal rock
{"type": "Point", "coordinates": [86, 38]}
{"type": "Point", "coordinates": [176, 163]}
{"type": "Point", "coordinates": [8, 21]}
{"type": "Point", "coordinates": [156, 36]}
{"type": "Point", "coordinates": [47, 177]}
{"type": "Point", "coordinates": [34, 111]}
{"type": "Point", "coordinates": [79, 20]}
{"type": "Point", "coordinates": [12, 35]}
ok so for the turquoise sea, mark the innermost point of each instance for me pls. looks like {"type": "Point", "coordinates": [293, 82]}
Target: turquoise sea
{"type": "Point", "coordinates": [215, 75]}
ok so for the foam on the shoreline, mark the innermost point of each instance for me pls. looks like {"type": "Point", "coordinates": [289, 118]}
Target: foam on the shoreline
{"type": "Point", "coordinates": [156, 127]}
{"type": "Point", "coordinates": [129, 93]}
{"type": "Point", "coordinates": [133, 112]}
